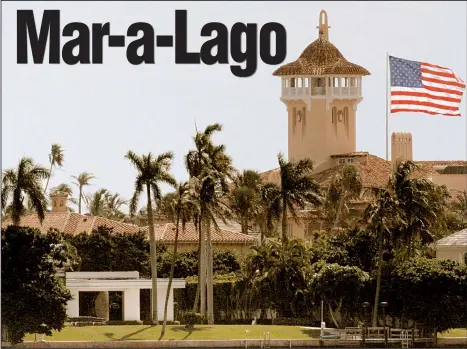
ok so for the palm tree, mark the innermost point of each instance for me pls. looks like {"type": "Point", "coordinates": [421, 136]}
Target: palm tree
{"type": "Point", "coordinates": [383, 216]}
{"type": "Point", "coordinates": [83, 180]}
{"type": "Point", "coordinates": [296, 191]}
{"type": "Point", "coordinates": [350, 187]}
{"type": "Point", "coordinates": [97, 203]}
{"type": "Point", "coordinates": [113, 204]}
{"type": "Point", "coordinates": [56, 158]}
{"type": "Point", "coordinates": [209, 168]}
{"type": "Point", "coordinates": [245, 197]}
{"type": "Point", "coordinates": [24, 182]}
{"type": "Point", "coordinates": [183, 207]}
{"type": "Point", "coordinates": [151, 172]}
{"type": "Point", "coordinates": [422, 203]}
{"type": "Point", "coordinates": [404, 213]}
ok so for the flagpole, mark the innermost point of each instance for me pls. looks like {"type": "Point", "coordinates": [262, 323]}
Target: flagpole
{"type": "Point", "coordinates": [387, 107]}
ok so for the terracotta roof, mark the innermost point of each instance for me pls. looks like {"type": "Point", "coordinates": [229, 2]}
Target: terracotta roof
{"type": "Point", "coordinates": [456, 239]}
{"type": "Point", "coordinates": [166, 234]}
{"type": "Point", "coordinates": [321, 58]}
{"type": "Point", "coordinates": [374, 171]}
{"type": "Point", "coordinates": [73, 223]}
{"type": "Point", "coordinates": [350, 155]}
{"type": "Point", "coordinates": [443, 162]}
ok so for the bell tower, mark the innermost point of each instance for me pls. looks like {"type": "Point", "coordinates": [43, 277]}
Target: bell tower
{"type": "Point", "coordinates": [321, 91]}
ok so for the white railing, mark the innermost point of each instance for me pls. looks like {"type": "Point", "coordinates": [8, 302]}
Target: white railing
{"type": "Point", "coordinates": [333, 92]}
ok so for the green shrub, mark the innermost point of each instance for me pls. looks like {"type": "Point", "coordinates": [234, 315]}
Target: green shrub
{"type": "Point", "coordinates": [121, 322]}
{"type": "Point", "coordinates": [292, 321]}
{"type": "Point", "coordinates": [191, 319]}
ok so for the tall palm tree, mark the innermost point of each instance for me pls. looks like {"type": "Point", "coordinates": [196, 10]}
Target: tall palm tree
{"type": "Point", "coordinates": [245, 197]}
{"type": "Point", "coordinates": [151, 172]}
{"type": "Point", "coordinates": [404, 212]}
{"type": "Point", "coordinates": [349, 183]}
{"type": "Point", "coordinates": [83, 180]}
{"type": "Point", "coordinates": [383, 217]}
{"type": "Point", "coordinates": [183, 207]}
{"type": "Point", "coordinates": [56, 158]}
{"type": "Point", "coordinates": [209, 168]}
{"type": "Point", "coordinates": [24, 183]}
{"type": "Point", "coordinates": [296, 191]}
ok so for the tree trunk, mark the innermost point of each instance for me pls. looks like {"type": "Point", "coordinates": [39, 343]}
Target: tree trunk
{"type": "Point", "coordinates": [198, 286]}
{"type": "Point", "coordinates": [374, 321]}
{"type": "Point", "coordinates": [284, 219]}
{"type": "Point", "coordinates": [332, 316]}
{"type": "Point", "coordinates": [152, 247]}
{"type": "Point", "coordinates": [48, 178]}
{"type": "Point", "coordinates": [210, 278]}
{"type": "Point", "coordinates": [171, 275]}
{"type": "Point", "coordinates": [79, 200]}
{"type": "Point", "coordinates": [244, 226]}
{"type": "Point", "coordinates": [202, 261]}
{"type": "Point", "coordinates": [339, 211]}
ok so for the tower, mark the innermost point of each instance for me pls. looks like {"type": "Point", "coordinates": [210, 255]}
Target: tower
{"type": "Point", "coordinates": [59, 200]}
{"type": "Point", "coordinates": [321, 90]}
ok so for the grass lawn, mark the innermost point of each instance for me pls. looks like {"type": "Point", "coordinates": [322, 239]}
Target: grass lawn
{"type": "Point", "coordinates": [457, 332]}
{"type": "Point", "coordinates": [176, 332]}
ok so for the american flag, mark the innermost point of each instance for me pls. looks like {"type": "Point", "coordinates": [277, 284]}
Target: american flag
{"type": "Point", "coordinates": [424, 88]}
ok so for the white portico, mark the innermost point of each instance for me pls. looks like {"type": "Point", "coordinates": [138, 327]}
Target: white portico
{"type": "Point", "coordinates": [128, 283]}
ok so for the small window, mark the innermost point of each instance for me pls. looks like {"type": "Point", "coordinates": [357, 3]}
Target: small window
{"type": "Point", "coordinates": [307, 82]}
{"type": "Point", "coordinates": [61, 203]}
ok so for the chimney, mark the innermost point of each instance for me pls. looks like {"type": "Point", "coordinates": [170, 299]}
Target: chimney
{"type": "Point", "coordinates": [59, 201]}
{"type": "Point", "coordinates": [401, 148]}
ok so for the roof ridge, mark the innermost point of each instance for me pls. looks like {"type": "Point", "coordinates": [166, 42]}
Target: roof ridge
{"type": "Point", "coordinates": [66, 221]}
{"type": "Point", "coordinates": [91, 228]}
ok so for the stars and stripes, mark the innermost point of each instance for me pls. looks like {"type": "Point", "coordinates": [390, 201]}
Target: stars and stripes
{"type": "Point", "coordinates": [424, 88]}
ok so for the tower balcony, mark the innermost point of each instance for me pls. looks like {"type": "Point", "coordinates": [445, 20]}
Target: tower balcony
{"type": "Point", "coordinates": [324, 87]}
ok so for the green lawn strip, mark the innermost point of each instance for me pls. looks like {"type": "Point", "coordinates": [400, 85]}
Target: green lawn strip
{"type": "Point", "coordinates": [143, 332]}
{"type": "Point", "coordinates": [457, 332]}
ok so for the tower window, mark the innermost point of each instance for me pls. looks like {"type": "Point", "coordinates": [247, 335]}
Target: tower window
{"type": "Point", "coordinates": [343, 161]}
{"type": "Point", "coordinates": [292, 82]}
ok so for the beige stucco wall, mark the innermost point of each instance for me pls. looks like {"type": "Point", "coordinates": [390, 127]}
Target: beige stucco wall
{"type": "Point", "coordinates": [456, 253]}
{"type": "Point", "coordinates": [452, 181]}
{"type": "Point", "coordinates": [316, 136]}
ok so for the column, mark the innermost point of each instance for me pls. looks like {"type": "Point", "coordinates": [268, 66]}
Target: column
{"type": "Point", "coordinates": [72, 308]}
{"type": "Point", "coordinates": [161, 294]}
{"type": "Point", "coordinates": [102, 305]}
{"type": "Point", "coordinates": [131, 305]}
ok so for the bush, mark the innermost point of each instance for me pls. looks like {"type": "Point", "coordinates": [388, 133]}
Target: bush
{"type": "Point", "coordinates": [284, 321]}
{"type": "Point", "coordinates": [122, 322]}
{"type": "Point", "coordinates": [191, 319]}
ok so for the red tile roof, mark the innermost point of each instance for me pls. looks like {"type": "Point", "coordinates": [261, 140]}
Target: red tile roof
{"type": "Point", "coordinates": [166, 234]}
{"type": "Point", "coordinates": [374, 171]}
{"type": "Point", "coordinates": [73, 223]}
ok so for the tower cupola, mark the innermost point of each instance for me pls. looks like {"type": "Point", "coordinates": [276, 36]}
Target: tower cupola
{"type": "Point", "coordinates": [321, 90]}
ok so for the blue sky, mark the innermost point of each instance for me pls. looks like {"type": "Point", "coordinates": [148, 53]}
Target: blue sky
{"type": "Point", "coordinates": [99, 112]}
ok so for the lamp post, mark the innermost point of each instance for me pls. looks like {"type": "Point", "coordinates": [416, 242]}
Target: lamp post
{"type": "Point", "coordinates": [365, 306]}
{"type": "Point", "coordinates": [383, 306]}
